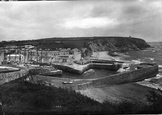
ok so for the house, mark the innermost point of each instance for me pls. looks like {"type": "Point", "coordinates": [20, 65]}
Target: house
{"type": "Point", "coordinates": [11, 47]}
{"type": "Point", "coordinates": [76, 51]}
{"type": "Point", "coordinates": [32, 55]}
{"type": "Point", "coordinates": [15, 58]}
{"type": "Point", "coordinates": [64, 52]}
{"type": "Point", "coordinates": [1, 56]}
{"type": "Point", "coordinates": [62, 58]}
{"type": "Point", "coordinates": [53, 53]}
{"type": "Point", "coordinates": [29, 46]}
{"type": "Point", "coordinates": [76, 54]}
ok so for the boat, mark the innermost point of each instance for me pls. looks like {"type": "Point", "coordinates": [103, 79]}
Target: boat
{"type": "Point", "coordinates": [7, 69]}
{"type": "Point", "coordinates": [46, 71]}
{"type": "Point", "coordinates": [52, 73]}
{"type": "Point", "coordinates": [67, 82]}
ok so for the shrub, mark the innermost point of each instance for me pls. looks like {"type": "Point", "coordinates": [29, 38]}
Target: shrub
{"type": "Point", "coordinates": [155, 99]}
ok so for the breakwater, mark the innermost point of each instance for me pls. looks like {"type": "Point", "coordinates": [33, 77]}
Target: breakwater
{"type": "Point", "coordinates": [69, 68]}
{"type": "Point", "coordinates": [7, 77]}
{"type": "Point", "coordinates": [146, 71]}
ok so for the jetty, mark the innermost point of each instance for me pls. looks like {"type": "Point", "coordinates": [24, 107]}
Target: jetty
{"type": "Point", "coordinates": [93, 64]}
{"type": "Point", "coordinates": [9, 73]}
{"type": "Point", "coordinates": [140, 72]}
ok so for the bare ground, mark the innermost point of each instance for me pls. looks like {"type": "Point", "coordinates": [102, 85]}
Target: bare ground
{"type": "Point", "coordinates": [118, 93]}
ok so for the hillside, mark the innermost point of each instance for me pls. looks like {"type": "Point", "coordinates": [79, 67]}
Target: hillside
{"type": "Point", "coordinates": [20, 97]}
{"type": "Point", "coordinates": [92, 43]}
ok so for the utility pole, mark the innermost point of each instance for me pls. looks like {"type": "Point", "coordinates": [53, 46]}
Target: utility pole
{"type": "Point", "coordinates": [30, 54]}
{"type": "Point", "coordinates": [37, 55]}
{"type": "Point", "coordinates": [41, 55]}
{"type": "Point", "coordinates": [24, 55]}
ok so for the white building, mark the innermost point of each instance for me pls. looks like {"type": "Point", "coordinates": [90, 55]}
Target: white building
{"type": "Point", "coordinates": [15, 58]}
{"type": "Point", "coordinates": [76, 54]}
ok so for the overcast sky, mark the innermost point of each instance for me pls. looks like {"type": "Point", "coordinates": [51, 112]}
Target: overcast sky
{"type": "Point", "coordinates": [35, 20]}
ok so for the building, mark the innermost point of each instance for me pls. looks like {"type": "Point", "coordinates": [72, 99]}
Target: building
{"type": "Point", "coordinates": [64, 52]}
{"type": "Point", "coordinates": [28, 46]}
{"type": "Point", "coordinates": [11, 47]}
{"type": "Point", "coordinates": [1, 56]}
{"type": "Point", "coordinates": [76, 54]}
{"type": "Point", "coordinates": [29, 54]}
{"type": "Point", "coordinates": [15, 58]}
{"type": "Point", "coordinates": [53, 53]}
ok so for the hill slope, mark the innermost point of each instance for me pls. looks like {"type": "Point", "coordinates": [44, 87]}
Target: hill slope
{"type": "Point", "coordinates": [109, 43]}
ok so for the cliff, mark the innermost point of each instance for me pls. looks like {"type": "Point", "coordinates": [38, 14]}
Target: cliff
{"type": "Point", "coordinates": [110, 43]}
{"type": "Point", "coordinates": [117, 44]}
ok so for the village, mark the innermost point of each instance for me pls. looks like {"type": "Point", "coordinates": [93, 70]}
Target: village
{"type": "Point", "coordinates": [80, 57]}
{"type": "Point", "coordinates": [60, 65]}
{"type": "Point", "coordinates": [29, 54]}
{"type": "Point", "coordinates": [54, 62]}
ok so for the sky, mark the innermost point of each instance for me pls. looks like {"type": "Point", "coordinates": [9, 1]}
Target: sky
{"type": "Point", "coordinates": [45, 19]}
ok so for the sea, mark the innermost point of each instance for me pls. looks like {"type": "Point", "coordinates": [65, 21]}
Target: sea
{"type": "Point", "coordinates": [153, 55]}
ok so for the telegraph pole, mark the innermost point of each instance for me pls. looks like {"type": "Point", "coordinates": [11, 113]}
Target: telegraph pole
{"type": "Point", "coordinates": [37, 55]}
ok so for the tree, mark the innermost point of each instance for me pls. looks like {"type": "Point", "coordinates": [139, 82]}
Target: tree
{"type": "Point", "coordinates": [155, 99]}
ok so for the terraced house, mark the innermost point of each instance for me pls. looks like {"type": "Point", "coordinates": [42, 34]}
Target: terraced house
{"type": "Point", "coordinates": [31, 54]}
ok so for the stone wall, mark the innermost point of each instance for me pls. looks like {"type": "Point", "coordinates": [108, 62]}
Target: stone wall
{"type": "Point", "coordinates": [125, 77]}
{"type": "Point", "coordinates": [111, 67]}
{"type": "Point", "coordinates": [7, 77]}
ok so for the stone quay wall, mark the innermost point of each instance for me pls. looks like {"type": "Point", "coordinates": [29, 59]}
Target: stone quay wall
{"type": "Point", "coordinates": [125, 77]}
{"type": "Point", "coordinates": [111, 67]}
{"type": "Point", "coordinates": [7, 77]}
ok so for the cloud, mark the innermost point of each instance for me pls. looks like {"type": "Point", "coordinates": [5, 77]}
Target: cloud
{"type": "Point", "coordinates": [90, 22]}
{"type": "Point", "coordinates": [35, 20]}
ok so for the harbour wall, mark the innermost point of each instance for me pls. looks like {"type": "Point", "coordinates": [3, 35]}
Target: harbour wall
{"type": "Point", "coordinates": [121, 78]}
{"type": "Point", "coordinates": [111, 67]}
{"type": "Point", "coordinates": [7, 77]}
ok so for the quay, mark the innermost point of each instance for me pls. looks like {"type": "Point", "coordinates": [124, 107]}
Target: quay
{"type": "Point", "coordinates": [15, 73]}
{"type": "Point", "coordinates": [95, 64]}
{"type": "Point", "coordinates": [142, 71]}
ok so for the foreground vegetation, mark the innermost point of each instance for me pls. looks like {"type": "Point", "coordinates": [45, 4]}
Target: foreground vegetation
{"type": "Point", "coordinates": [31, 98]}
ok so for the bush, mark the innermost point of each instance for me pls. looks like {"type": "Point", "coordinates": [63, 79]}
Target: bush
{"type": "Point", "coordinates": [124, 107]}
{"type": "Point", "coordinates": [155, 99]}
